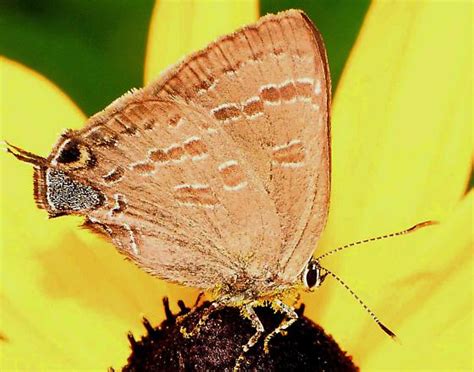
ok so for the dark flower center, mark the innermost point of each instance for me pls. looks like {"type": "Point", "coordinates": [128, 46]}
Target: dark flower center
{"type": "Point", "coordinates": [305, 347]}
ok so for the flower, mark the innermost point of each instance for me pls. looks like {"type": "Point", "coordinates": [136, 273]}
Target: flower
{"type": "Point", "coordinates": [218, 344]}
{"type": "Point", "coordinates": [401, 154]}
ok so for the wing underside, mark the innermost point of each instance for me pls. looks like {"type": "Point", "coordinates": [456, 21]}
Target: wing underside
{"type": "Point", "coordinates": [223, 164]}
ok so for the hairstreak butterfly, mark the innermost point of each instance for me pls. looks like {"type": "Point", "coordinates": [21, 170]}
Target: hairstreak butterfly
{"type": "Point", "coordinates": [216, 175]}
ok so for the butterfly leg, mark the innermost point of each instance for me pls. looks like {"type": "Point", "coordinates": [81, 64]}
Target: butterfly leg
{"type": "Point", "coordinates": [249, 313]}
{"type": "Point", "coordinates": [215, 306]}
{"type": "Point", "coordinates": [198, 299]}
{"type": "Point", "coordinates": [323, 276]}
{"type": "Point", "coordinates": [290, 318]}
{"type": "Point", "coordinates": [296, 300]}
{"type": "Point", "coordinates": [181, 318]}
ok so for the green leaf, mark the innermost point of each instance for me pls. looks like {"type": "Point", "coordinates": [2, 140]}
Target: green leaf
{"type": "Point", "coordinates": [94, 51]}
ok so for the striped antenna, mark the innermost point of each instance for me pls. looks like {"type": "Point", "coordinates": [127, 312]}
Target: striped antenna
{"type": "Point", "coordinates": [371, 313]}
{"type": "Point", "coordinates": [23, 155]}
{"type": "Point", "coordinates": [391, 235]}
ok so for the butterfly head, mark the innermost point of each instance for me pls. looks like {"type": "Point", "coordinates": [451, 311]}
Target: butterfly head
{"type": "Point", "coordinates": [313, 275]}
{"type": "Point", "coordinates": [58, 186]}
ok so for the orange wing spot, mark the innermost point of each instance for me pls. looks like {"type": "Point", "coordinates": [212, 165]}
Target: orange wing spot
{"type": "Point", "coordinates": [195, 147]}
{"type": "Point", "coordinates": [158, 156]}
{"type": "Point", "coordinates": [197, 194]}
{"type": "Point", "coordinates": [232, 175]}
{"type": "Point", "coordinates": [270, 94]}
{"type": "Point", "coordinates": [114, 175]}
{"type": "Point", "coordinates": [288, 91]}
{"type": "Point", "coordinates": [290, 153]}
{"type": "Point", "coordinates": [226, 112]}
{"type": "Point", "coordinates": [175, 153]}
{"type": "Point", "coordinates": [253, 107]}
{"type": "Point", "coordinates": [304, 89]}
{"type": "Point", "coordinates": [143, 168]}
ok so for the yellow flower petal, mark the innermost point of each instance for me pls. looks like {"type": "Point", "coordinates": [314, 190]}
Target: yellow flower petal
{"type": "Point", "coordinates": [181, 27]}
{"type": "Point", "coordinates": [435, 305]}
{"type": "Point", "coordinates": [401, 155]}
{"type": "Point", "coordinates": [401, 118]}
{"type": "Point", "coordinates": [429, 308]}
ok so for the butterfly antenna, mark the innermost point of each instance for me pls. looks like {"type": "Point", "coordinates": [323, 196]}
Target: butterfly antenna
{"type": "Point", "coordinates": [23, 155]}
{"type": "Point", "coordinates": [391, 235]}
{"type": "Point", "coordinates": [371, 313]}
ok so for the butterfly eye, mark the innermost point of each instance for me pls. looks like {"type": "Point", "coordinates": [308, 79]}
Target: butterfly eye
{"type": "Point", "coordinates": [311, 277]}
{"type": "Point", "coordinates": [73, 155]}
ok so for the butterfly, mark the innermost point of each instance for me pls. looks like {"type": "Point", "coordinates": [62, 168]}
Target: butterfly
{"type": "Point", "coordinates": [217, 174]}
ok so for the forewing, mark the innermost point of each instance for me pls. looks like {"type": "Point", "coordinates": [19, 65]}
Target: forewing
{"type": "Point", "coordinates": [268, 87]}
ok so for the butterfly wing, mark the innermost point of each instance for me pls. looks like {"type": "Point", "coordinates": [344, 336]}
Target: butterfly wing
{"type": "Point", "coordinates": [218, 169]}
{"type": "Point", "coordinates": [268, 87]}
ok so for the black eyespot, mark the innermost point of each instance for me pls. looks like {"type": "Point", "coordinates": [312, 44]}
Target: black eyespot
{"type": "Point", "coordinates": [70, 153]}
{"type": "Point", "coordinates": [312, 277]}
{"type": "Point", "coordinates": [73, 154]}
